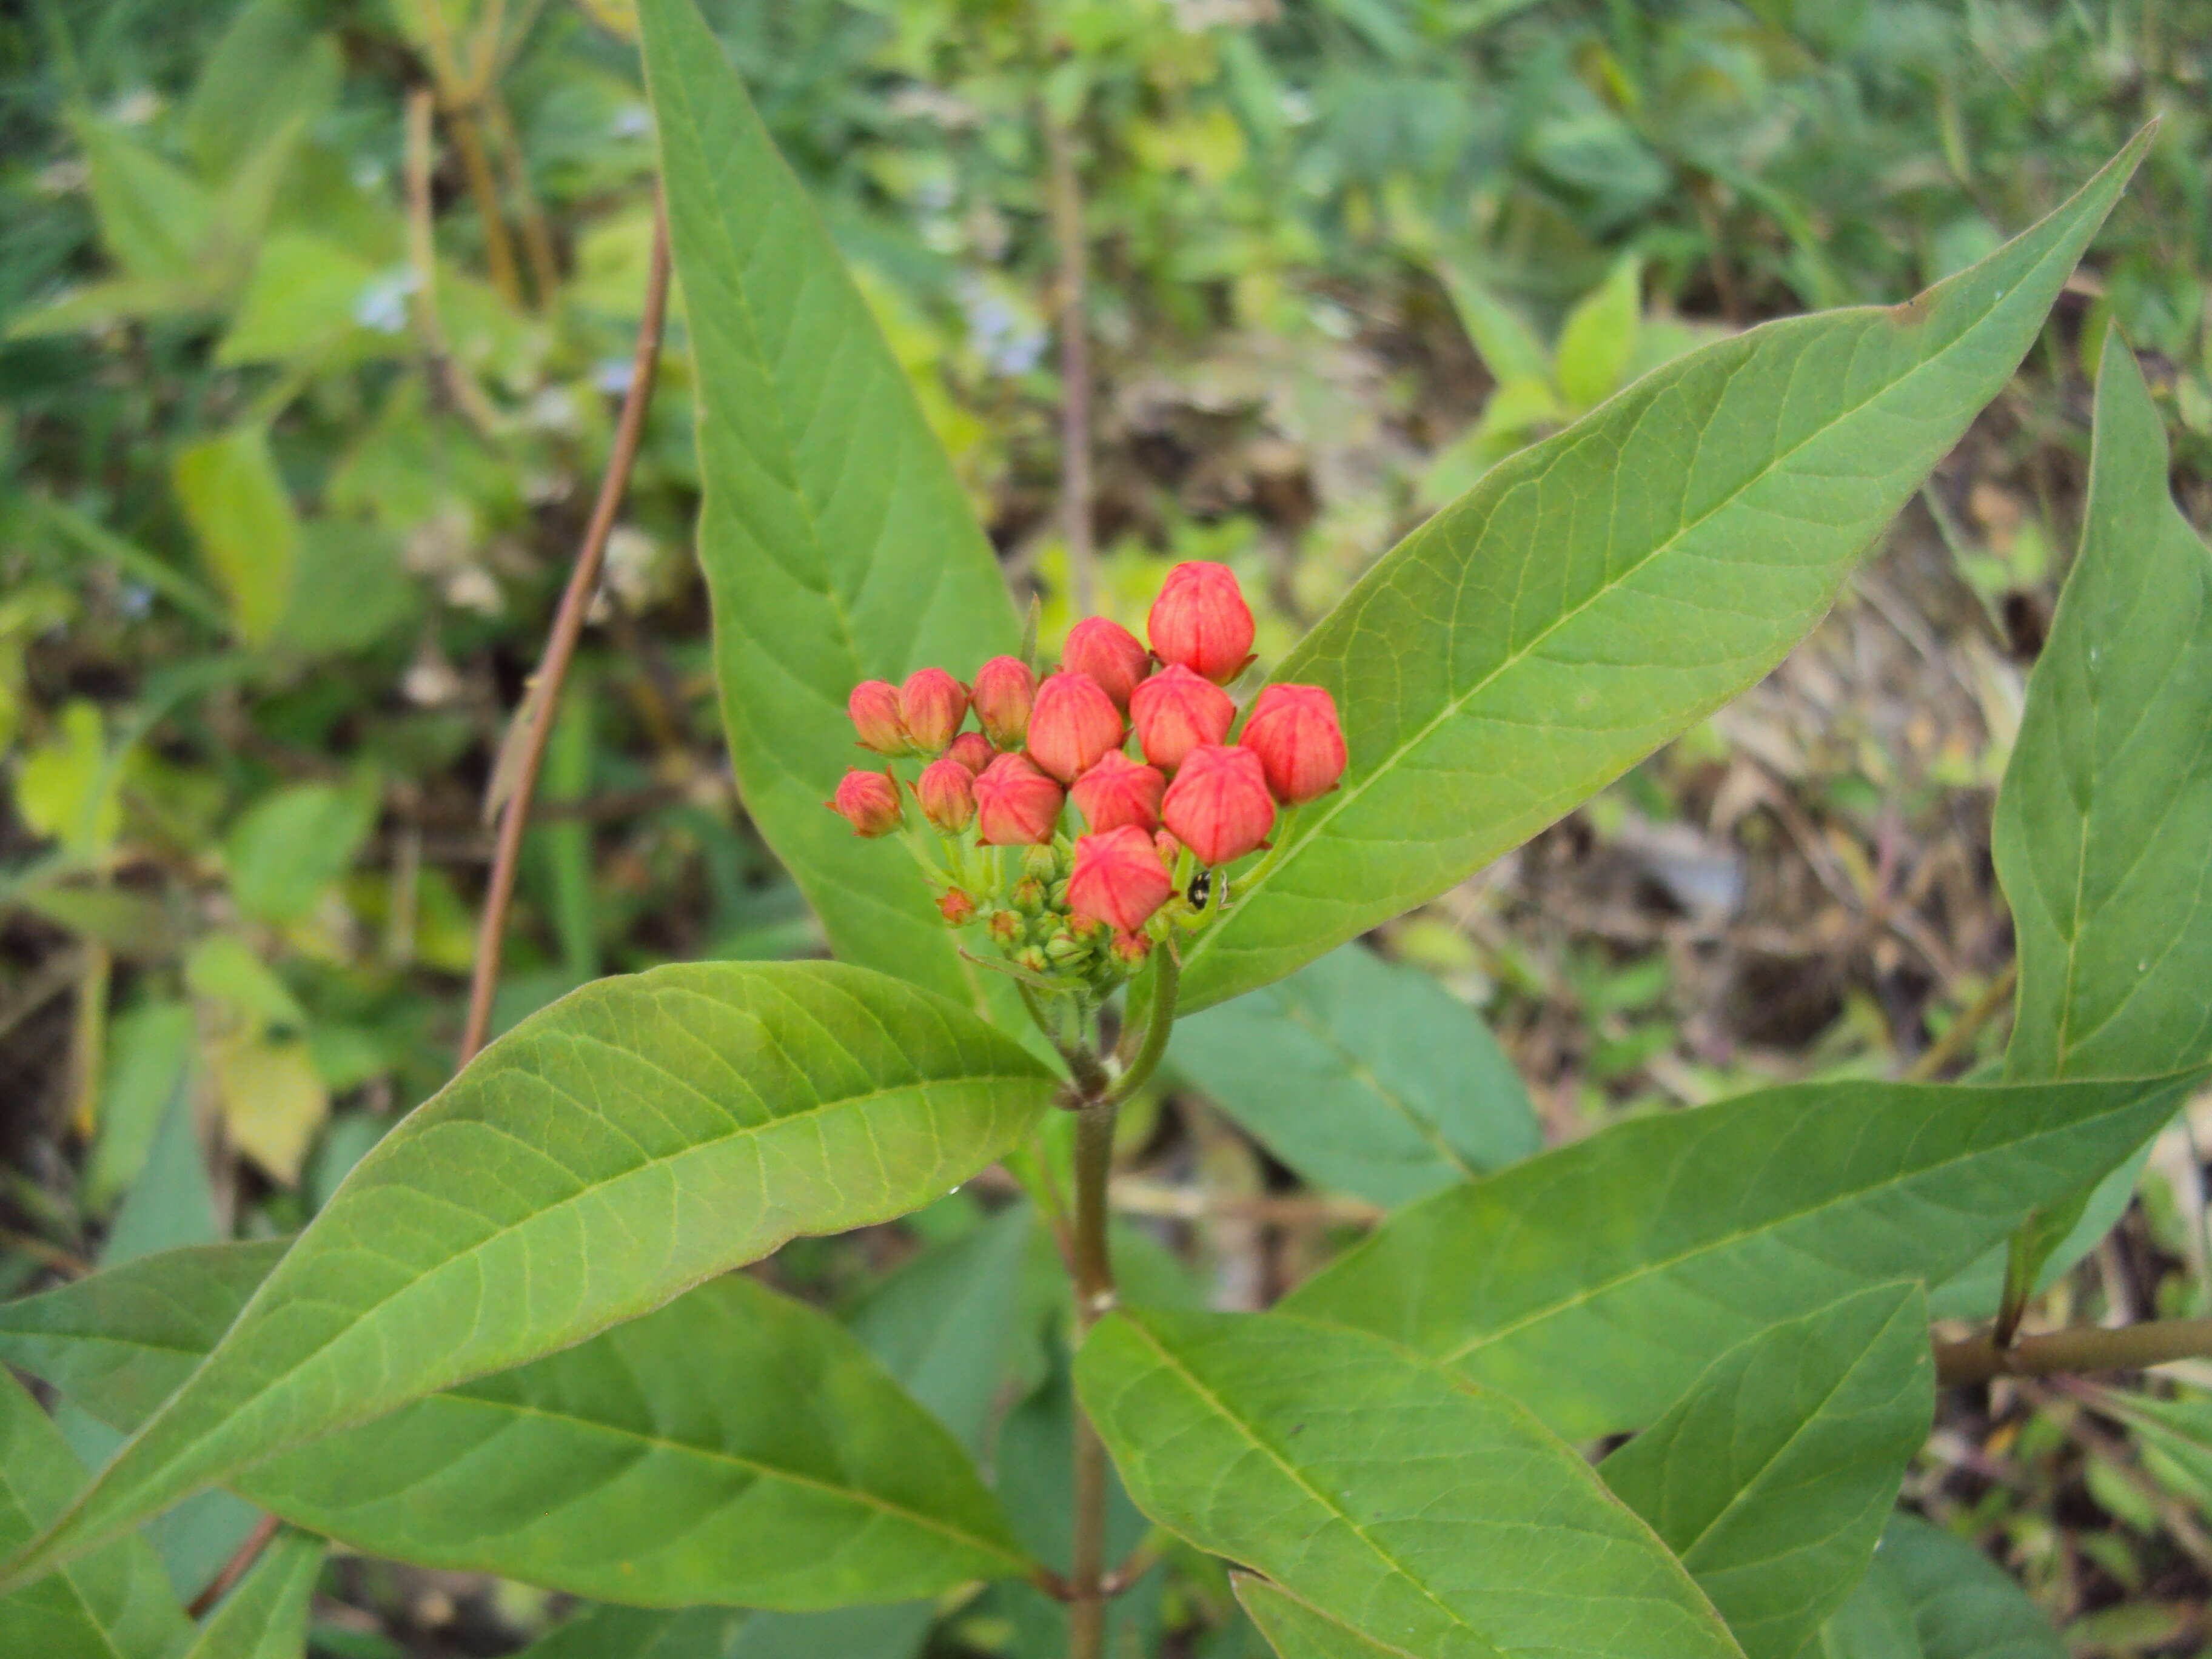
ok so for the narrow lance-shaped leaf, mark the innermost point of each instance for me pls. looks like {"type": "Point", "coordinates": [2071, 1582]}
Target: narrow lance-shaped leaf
{"type": "Point", "coordinates": [1594, 1283]}
{"type": "Point", "coordinates": [1772, 1478]}
{"type": "Point", "coordinates": [266, 1616]}
{"type": "Point", "coordinates": [837, 541]}
{"type": "Point", "coordinates": [735, 1447]}
{"type": "Point", "coordinates": [2106, 809]}
{"type": "Point", "coordinates": [114, 1604]}
{"type": "Point", "coordinates": [1396, 1499]}
{"type": "Point", "coordinates": [1599, 592]}
{"type": "Point", "coordinates": [1364, 1076]}
{"type": "Point", "coordinates": [633, 1140]}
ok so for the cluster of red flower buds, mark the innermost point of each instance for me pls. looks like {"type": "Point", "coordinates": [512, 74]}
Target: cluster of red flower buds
{"type": "Point", "coordinates": [1088, 902]}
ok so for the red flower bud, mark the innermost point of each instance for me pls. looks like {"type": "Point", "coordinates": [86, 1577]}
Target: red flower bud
{"type": "Point", "coordinates": [1110, 654]}
{"type": "Point", "coordinates": [956, 907]}
{"type": "Point", "coordinates": [874, 707]}
{"type": "Point", "coordinates": [1167, 847]}
{"type": "Point", "coordinates": [1073, 724]}
{"type": "Point", "coordinates": [1293, 730]}
{"type": "Point", "coordinates": [1119, 791]}
{"type": "Point", "coordinates": [933, 704]}
{"type": "Point", "coordinates": [869, 801]}
{"type": "Point", "coordinates": [1174, 711]}
{"type": "Point", "coordinates": [1130, 950]}
{"type": "Point", "coordinates": [1118, 878]}
{"type": "Point", "coordinates": [1218, 806]}
{"type": "Point", "coordinates": [1200, 620]}
{"type": "Point", "coordinates": [1005, 689]}
{"type": "Point", "coordinates": [973, 750]}
{"type": "Point", "coordinates": [946, 790]}
{"type": "Point", "coordinates": [1016, 805]}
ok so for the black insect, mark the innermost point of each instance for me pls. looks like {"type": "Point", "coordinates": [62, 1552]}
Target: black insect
{"type": "Point", "coordinates": [1200, 885]}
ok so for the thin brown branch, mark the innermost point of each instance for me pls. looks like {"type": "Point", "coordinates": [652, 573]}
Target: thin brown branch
{"type": "Point", "coordinates": [1963, 1029]}
{"type": "Point", "coordinates": [544, 699]}
{"type": "Point", "coordinates": [536, 230]}
{"type": "Point", "coordinates": [1067, 234]}
{"type": "Point", "coordinates": [2090, 1348]}
{"type": "Point", "coordinates": [237, 1566]}
{"type": "Point", "coordinates": [465, 395]}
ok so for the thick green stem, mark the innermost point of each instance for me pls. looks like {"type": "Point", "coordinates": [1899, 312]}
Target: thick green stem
{"type": "Point", "coordinates": [1094, 1298]}
{"type": "Point", "coordinates": [2130, 1347]}
{"type": "Point", "coordinates": [1167, 981]}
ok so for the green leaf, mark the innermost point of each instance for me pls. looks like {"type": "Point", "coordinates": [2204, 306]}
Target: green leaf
{"type": "Point", "coordinates": [1363, 1075]}
{"type": "Point", "coordinates": [1298, 1629]}
{"type": "Point", "coordinates": [266, 1616]}
{"type": "Point", "coordinates": [1955, 1601]}
{"type": "Point", "coordinates": [1600, 337]}
{"type": "Point", "coordinates": [1431, 1516]}
{"type": "Point", "coordinates": [155, 219]}
{"type": "Point", "coordinates": [1772, 1478]}
{"type": "Point", "coordinates": [625, 1144]}
{"type": "Point", "coordinates": [1596, 1282]}
{"type": "Point", "coordinates": [1507, 344]}
{"type": "Point", "coordinates": [112, 1604]}
{"type": "Point", "coordinates": [243, 519]}
{"type": "Point", "coordinates": [836, 542]}
{"type": "Point", "coordinates": [735, 1446]}
{"type": "Point", "coordinates": [1595, 595]}
{"type": "Point", "coordinates": [293, 844]}
{"type": "Point", "coordinates": [640, 1633]}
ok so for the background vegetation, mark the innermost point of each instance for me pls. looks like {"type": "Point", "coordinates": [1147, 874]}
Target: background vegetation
{"type": "Point", "coordinates": [317, 315]}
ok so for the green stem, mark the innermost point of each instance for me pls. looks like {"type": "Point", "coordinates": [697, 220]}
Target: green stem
{"type": "Point", "coordinates": [1094, 1298]}
{"type": "Point", "coordinates": [1167, 982]}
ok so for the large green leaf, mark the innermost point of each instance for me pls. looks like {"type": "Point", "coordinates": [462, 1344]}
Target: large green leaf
{"type": "Point", "coordinates": [113, 1604]}
{"type": "Point", "coordinates": [1364, 1076]}
{"type": "Point", "coordinates": [243, 519]}
{"type": "Point", "coordinates": [2106, 807]}
{"type": "Point", "coordinates": [617, 1148]}
{"type": "Point", "coordinates": [735, 1447]}
{"type": "Point", "coordinates": [266, 1616]}
{"type": "Point", "coordinates": [1931, 1595]}
{"type": "Point", "coordinates": [1598, 592]}
{"type": "Point", "coordinates": [639, 1633]}
{"type": "Point", "coordinates": [1431, 1516]}
{"type": "Point", "coordinates": [1596, 1282]}
{"type": "Point", "coordinates": [836, 542]}
{"type": "Point", "coordinates": [1772, 1478]}
{"type": "Point", "coordinates": [1298, 1629]}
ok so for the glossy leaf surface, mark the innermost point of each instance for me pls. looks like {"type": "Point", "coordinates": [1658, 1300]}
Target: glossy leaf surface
{"type": "Point", "coordinates": [837, 544]}
{"type": "Point", "coordinates": [1364, 1076]}
{"type": "Point", "coordinates": [626, 1143]}
{"type": "Point", "coordinates": [113, 1604]}
{"type": "Point", "coordinates": [1596, 594]}
{"type": "Point", "coordinates": [1429, 1516]}
{"type": "Point", "coordinates": [735, 1447]}
{"type": "Point", "coordinates": [1772, 1478]}
{"type": "Point", "coordinates": [1595, 1282]}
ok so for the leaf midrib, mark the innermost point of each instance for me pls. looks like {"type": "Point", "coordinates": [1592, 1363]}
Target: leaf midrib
{"type": "Point", "coordinates": [1453, 705]}
{"type": "Point", "coordinates": [1327, 1617]}
{"type": "Point", "coordinates": [1363, 1072]}
{"type": "Point", "coordinates": [1590, 1293]}
{"type": "Point", "coordinates": [67, 1573]}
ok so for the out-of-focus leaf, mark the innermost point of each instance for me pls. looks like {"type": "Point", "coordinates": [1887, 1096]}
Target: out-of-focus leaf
{"type": "Point", "coordinates": [1772, 1478]}
{"type": "Point", "coordinates": [224, 970]}
{"type": "Point", "coordinates": [65, 787]}
{"type": "Point", "coordinates": [272, 1099]}
{"type": "Point", "coordinates": [1507, 342]}
{"type": "Point", "coordinates": [154, 218]}
{"type": "Point", "coordinates": [292, 845]}
{"type": "Point", "coordinates": [660, 1128]}
{"type": "Point", "coordinates": [149, 1047]}
{"type": "Point", "coordinates": [1598, 341]}
{"type": "Point", "coordinates": [311, 299]}
{"type": "Point", "coordinates": [1596, 1282]}
{"type": "Point", "coordinates": [1364, 1076]}
{"type": "Point", "coordinates": [113, 1603]}
{"type": "Point", "coordinates": [349, 590]}
{"type": "Point", "coordinates": [243, 519]}
{"type": "Point", "coordinates": [1390, 1497]}
{"type": "Point", "coordinates": [269, 70]}
{"type": "Point", "coordinates": [266, 1616]}
{"type": "Point", "coordinates": [609, 1633]}
{"type": "Point", "coordinates": [837, 543]}
{"type": "Point", "coordinates": [1596, 594]}
{"type": "Point", "coordinates": [1953, 1601]}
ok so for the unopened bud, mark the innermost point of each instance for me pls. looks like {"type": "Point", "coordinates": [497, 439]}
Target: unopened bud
{"type": "Point", "coordinates": [1220, 806]}
{"type": "Point", "coordinates": [1130, 950]}
{"type": "Point", "coordinates": [1118, 791]}
{"type": "Point", "coordinates": [1032, 957]}
{"type": "Point", "coordinates": [933, 704]}
{"type": "Point", "coordinates": [956, 907]}
{"type": "Point", "coordinates": [1016, 805]}
{"type": "Point", "coordinates": [1028, 897]}
{"type": "Point", "coordinates": [1074, 722]}
{"type": "Point", "coordinates": [946, 790]}
{"type": "Point", "coordinates": [1118, 878]}
{"type": "Point", "coordinates": [1040, 861]}
{"type": "Point", "coordinates": [1007, 927]}
{"type": "Point", "coordinates": [973, 750]}
{"type": "Point", "coordinates": [1064, 948]}
{"type": "Point", "coordinates": [1200, 620]}
{"type": "Point", "coordinates": [1110, 654]}
{"type": "Point", "coordinates": [1004, 691]}
{"type": "Point", "coordinates": [1176, 711]}
{"type": "Point", "coordinates": [874, 707]}
{"type": "Point", "coordinates": [1294, 730]}
{"type": "Point", "coordinates": [869, 801]}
